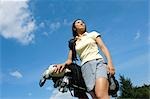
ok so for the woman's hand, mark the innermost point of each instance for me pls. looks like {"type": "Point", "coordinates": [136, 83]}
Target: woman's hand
{"type": "Point", "coordinates": [59, 68]}
{"type": "Point", "coordinates": [111, 69]}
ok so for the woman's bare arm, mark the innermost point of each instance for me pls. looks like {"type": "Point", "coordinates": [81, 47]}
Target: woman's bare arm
{"type": "Point", "coordinates": [106, 53]}
{"type": "Point", "coordinates": [69, 60]}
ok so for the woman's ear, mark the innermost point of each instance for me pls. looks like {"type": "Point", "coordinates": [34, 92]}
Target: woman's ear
{"type": "Point", "coordinates": [74, 29]}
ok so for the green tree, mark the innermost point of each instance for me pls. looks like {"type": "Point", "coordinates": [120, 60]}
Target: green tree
{"type": "Point", "coordinates": [129, 91]}
{"type": "Point", "coordinates": [142, 92]}
{"type": "Point", "coordinates": [126, 87]}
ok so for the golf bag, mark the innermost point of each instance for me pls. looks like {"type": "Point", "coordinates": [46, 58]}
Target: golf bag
{"type": "Point", "coordinates": [71, 79]}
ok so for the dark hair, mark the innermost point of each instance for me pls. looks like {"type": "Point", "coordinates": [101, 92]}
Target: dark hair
{"type": "Point", "coordinates": [72, 43]}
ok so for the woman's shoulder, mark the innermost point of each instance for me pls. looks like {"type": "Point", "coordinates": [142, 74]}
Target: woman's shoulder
{"type": "Point", "coordinates": [71, 40]}
{"type": "Point", "coordinates": [71, 43]}
{"type": "Point", "coordinates": [94, 34]}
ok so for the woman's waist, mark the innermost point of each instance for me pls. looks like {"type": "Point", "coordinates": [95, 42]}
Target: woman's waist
{"type": "Point", "coordinates": [100, 58]}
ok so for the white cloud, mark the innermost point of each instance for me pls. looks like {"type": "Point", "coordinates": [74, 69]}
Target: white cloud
{"type": "Point", "coordinates": [54, 26]}
{"type": "Point", "coordinates": [29, 94]}
{"type": "Point", "coordinates": [58, 95]}
{"type": "Point", "coordinates": [49, 88]}
{"type": "Point", "coordinates": [42, 25]}
{"type": "Point", "coordinates": [138, 34]}
{"type": "Point", "coordinates": [16, 74]}
{"type": "Point", "coordinates": [66, 22]}
{"type": "Point", "coordinates": [16, 21]}
{"type": "Point", "coordinates": [45, 34]}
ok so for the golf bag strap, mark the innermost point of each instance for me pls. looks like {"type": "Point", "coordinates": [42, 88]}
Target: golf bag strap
{"type": "Point", "coordinates": [70, 91]}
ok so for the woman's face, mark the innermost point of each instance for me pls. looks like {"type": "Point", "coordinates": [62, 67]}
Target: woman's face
{"type": "Point", "coordinates": [80, 25]}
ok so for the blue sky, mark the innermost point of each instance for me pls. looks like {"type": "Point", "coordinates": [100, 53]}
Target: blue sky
{"type": "Point", "coordinates": [35, 34]}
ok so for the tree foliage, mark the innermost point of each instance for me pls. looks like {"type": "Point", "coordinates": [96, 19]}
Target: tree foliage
{"type": "Point", "coordinates": [129, 91]}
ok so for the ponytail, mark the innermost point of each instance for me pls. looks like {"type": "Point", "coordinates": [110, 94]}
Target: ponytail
{"type": "Point", "coordinates": [72, 44]}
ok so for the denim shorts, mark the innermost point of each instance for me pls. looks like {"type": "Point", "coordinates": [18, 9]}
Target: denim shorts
{"type": "Point", "coordinates": [92, 70]}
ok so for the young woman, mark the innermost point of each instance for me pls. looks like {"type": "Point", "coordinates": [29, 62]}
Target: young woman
{"type": "Point", "coordinates": [94, 71]}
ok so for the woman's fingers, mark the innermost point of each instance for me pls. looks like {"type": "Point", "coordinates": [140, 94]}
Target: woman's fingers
{"type": "Point", "coordinates": [111, 70]}
{"type": "Point", "coordinates": [62, 67]}
{"type": "Point", "coordinates": [55, 70]}
{"type": "Point", "coordinates": [59, 68]}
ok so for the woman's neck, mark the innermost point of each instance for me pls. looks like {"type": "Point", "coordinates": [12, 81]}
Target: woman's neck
{"type": "Point", "coordinates": [80, 34]}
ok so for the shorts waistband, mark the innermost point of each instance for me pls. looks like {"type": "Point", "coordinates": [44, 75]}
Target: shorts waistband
{"type": "Point", "coordinates": [98, 59]}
